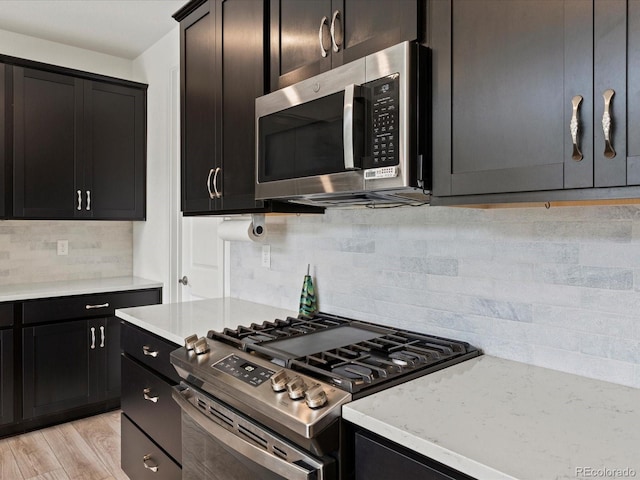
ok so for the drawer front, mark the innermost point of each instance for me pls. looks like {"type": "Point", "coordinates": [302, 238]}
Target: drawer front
{"type": "Point", "coordinates": [86, 306]}
{"type": "Point", "coordinates": [149, 349]}
{"type": "Point", "coordinates": [146, 399]}
{"type": "Point", "coordinates": [138, 453]}
{"type": "Point", "coordinates": [6, 314]}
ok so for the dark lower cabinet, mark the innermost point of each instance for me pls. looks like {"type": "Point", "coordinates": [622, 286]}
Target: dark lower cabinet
{"type": "Point", "coordinates": [142, 459]}
{"type": "Point", "coordinates": [6, 376]}
{"type": "Point", "coordinates": [67, 365]}
{"type": "Point", "coordinates": [5, 160]}
{"type": "Point", "coordinates": [380, 459]}
{"type": "Point", "coordinates": [151, 419]}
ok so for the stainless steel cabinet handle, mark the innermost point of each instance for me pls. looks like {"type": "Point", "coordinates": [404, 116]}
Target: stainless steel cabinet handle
{"type": "Point", "coordinates": [91, 307]}
{"type": "Point", "coordinates": [148, 352]}
{"type": "Point", "coordinates": [79, 199]}
{"type": "Point", "coordinates": [323, 23]}
{"type": "Point", "coordinates": [102, 336]}
{"type": "Point", "coordinates": [93, 338]}
{"type": "Point", "coordinates": [574, 127]}
{"type": "Point", "coordinates": [88, 200]}
{"type": "Point", "coordinates": [609, 152]}
{"type": "Point", "coordinates": [211, 195]}
{"type": "Point", "coordinates": [183, 281]}
{"type": "Point", "coordinates": [336, 42]}
{"type": "Point", "coordinates": [146, 395]}
{"type": "Point", "coordinates": [145, 460]}
{"type": "Point", "coordinates": [218, 193]}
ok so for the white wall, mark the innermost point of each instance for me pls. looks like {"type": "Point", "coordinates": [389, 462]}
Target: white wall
{"type": "Point", "coordinates": [32, 48]}
{"type": "Point", "coordinates": [152, 240]}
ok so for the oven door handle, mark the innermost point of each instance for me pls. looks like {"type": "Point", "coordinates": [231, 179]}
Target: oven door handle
{"type": "Point", "coordinates": [290, 471]}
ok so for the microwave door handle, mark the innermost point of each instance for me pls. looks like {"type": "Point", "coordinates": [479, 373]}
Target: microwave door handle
{"type": "Point", "coordinates": [347, 126]}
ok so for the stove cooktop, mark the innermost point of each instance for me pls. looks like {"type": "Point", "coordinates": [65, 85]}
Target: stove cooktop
{"type": "Point", "coordinates": [353, 355]}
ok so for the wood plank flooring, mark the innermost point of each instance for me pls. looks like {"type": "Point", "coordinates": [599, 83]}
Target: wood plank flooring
{"type": "Point", "coordinates": [86, 449]}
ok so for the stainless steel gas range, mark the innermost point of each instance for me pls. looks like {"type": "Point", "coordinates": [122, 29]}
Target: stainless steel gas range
{"type": "Point", "coordinates": [264, 401]}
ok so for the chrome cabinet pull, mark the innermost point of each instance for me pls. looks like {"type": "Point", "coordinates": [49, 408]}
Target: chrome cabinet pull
{"type": "Point", "coordinates": [334, 41]}
{"type": "Point", "coordinates": [184, 281]}
{"type": "Point", "coordinates": [148, 352]}
{"type": "Point", "coordinates": [574, 127]}
{"type": "Point", "coordinates": [93, 338]}
{"type": "Point", "coordinates": [145, 460]}
{"type": "Point", "coordinates": [92, 307]}
{"type": "Point", "coordinates": [211, 195]}
{"type": "Point", "coordinates": [79, 199]}
{"type": "Point", "coordinates": [323, 23]}
{"type": "Point", "coordinates": [88, 200]}
{"type": "Point", "coordinates": [609, 152]}
{"type": "Point", "coordinates": [218, 193]}
{"type": "Point", "coordinates": [146, 395]}
{"type": "Point", "coordinates": [102, 336]}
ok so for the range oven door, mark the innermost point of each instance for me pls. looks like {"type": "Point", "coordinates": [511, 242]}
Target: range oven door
{"type": "Point", "coordinates": [221, 443]}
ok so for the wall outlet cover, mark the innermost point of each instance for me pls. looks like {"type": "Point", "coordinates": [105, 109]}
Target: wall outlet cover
{"type": "Point", "coordinates": [63, 247]}
{"type": "Point", "coordinates": [266, 256]}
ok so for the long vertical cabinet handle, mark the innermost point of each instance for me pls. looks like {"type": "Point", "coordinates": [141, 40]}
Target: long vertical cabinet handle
{"type": "Point", "coordinates": [574, 127]}
{"type": "Point", "coordinates": [347, 127]}
{"type": "Point", "coordinates": [211, 194]}
{"type": "Point", "coordinates": [102, 338]}
{"type": "Point", "coordinates": [323, 23]}
{"type": "Point", "coordinates": [88, 199]}
{"type": "Point", "coordinates": [609, 152]}
{"type": "Point", "coordinates": [218, 193]}
{"type": "Point", "coordinates": [335, 20]}
{"type": "Point", "coordinates": [93, 338]}
{"type": "Point", "coordinates": [79, 199]}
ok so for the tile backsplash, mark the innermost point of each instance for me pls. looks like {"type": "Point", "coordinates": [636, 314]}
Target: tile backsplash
{"type": "Point", "coordinates": [28, 250]}
{"type": "Point", "coordinates": [557, 287]}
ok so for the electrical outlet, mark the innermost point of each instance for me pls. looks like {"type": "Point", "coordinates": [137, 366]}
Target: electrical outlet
{"type": "Point", "coordinates": [63, 247]}
{"type": "Point", "coordinates": [266, 256]}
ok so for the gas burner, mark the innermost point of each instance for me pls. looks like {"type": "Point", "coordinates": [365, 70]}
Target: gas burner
{"type": "Point", "coordinates": [355, 372]}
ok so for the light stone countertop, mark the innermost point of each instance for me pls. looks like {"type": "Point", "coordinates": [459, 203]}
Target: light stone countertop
{"type": "Point", "coordinates": [497, 419]}
{"type": "Point", "coordinates": [175, 321]}
{"type": "Point", "coordinates": [31, 291]}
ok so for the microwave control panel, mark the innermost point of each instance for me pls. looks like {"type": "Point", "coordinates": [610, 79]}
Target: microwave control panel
{"type": "Point", "coordinates": [385, 102]}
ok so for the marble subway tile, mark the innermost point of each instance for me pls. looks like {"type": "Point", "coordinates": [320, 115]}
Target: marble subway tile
{"type": "Point", "coordinates": [584, 276]}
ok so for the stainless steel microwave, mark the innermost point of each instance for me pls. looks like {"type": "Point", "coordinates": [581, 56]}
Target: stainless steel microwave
{"type": "Point", "coordinates": [358, 134]}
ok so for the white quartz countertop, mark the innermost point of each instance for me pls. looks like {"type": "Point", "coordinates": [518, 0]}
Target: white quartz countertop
{"type": "Point", "coordinates": [31, 291]}
{"type": "Point", "coordinates": [175, 321]}
{"type": "Point", "coordinates": [498, 419]}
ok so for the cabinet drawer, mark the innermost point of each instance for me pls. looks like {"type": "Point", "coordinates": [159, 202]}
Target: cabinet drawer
{"type": "Point", "coordinates": [6, 314]}
{"type": "Point", "coordinates": [149, 349]}
{"type": "Point", "coordinates": [146, 399]}
{"type": "Point", "coordinates": [139, 452]}
{"type": "Point", "coordinates": [85, 306]}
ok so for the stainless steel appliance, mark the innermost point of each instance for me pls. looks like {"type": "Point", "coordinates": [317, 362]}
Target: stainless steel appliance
{"type": "Point", "coordinates": [264, 401]}
{"type": "Point", "coordinates": [358, 134]}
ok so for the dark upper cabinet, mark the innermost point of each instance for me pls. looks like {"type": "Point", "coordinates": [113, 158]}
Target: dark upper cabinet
{"type": "Point", "coordinates": [78, 147]}
{"type": "Point", "coordinates": [506, 76]}
{"type": "Point", "coordinates": [4, 160]}
{"type": "Point", "coordinates": [222, 53]}
{"type": "Point", "coordinates": [313, 36]}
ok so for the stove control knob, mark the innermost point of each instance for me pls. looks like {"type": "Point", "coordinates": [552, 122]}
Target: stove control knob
{"type": "Point", "coordinates": [201, 346]}
{"type": "Point", "coordinates": [315, 396]}
{"type": "Point", "coordinates": [279, 381]}
{"type": "Point", "coordinates": [296, 388]}
{"type": "Point", "coordinates": [190, 341]}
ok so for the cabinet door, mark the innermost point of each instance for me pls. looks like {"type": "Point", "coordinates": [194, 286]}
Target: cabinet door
{"type": "Point", "coordinates": [47, 118]}
{"type": "Point", "coordinates": [200, 93]}
{"type": "Point", "coordinates": [57, 367]}
{"type": "Point", "coordinates": [4, 161]}
{"type": "Point", "coordinates": [109, 370]}
{"type": "Point", "coordinates": [296, 46]}
{"type": "Point", "coordinates": [6, 376]}
{"type": "Point", "coordinates": [367, 26]}
{"type": "Point", "coordinates": [114, 157]}
{"type": "Point", "coordinates": [504, 75]}
{"type": "Point", "coordinates": [241, 25]}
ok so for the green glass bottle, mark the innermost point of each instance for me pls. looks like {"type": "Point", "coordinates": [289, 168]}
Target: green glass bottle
{"type": "Point", "coordinates": [308, 303]}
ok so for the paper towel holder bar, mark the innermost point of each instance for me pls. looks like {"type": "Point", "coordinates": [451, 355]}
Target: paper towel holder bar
{"type": "Point", "coordinates": [258, 223]}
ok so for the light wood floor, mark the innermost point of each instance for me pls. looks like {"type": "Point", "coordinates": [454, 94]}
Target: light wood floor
{"type": "Point", "coordinates": [86, 449]}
